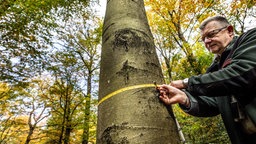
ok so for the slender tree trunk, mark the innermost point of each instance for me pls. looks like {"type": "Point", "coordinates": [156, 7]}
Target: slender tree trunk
{"type": "Point", "coordinates": [68, 126]}
{"type": "Point", "coordinates": [31, 130]}
{"type": "Point", "coordinates": [131, 114]}
{"type": "Point", "coordinates": [68, 130]}
{"type": "Point", "coordinates": [62, 129]}
{"type": "Point", "coordinates": [65, 112]}
{"type": "Point", "coordinates": [87, 110]}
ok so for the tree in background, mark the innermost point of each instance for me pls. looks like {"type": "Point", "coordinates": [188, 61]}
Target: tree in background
{"type": "Point", "coordinates": [29, 30]}
{"type": "Point", "coordinates": [66, 106]}
{"type": "Point", "coordinates": [241, 14]}
{"type": "Point", "coordinates": [128, 59]}
{"type": "Point", "coordinates": [26, 33]}
{"type": "Point", "coordinates": [20, 120]}
{"type": "Point", "coordinates": [6, 114]}
{"type": "Point", "coordinates": [80, 39]}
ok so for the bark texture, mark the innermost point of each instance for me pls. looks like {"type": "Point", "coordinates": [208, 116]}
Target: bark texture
{"type": "Point", "coordinates": [129, 58]}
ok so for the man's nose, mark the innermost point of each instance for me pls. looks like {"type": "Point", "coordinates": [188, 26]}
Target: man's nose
{"type": "Point", "coordinates": [207, 40]}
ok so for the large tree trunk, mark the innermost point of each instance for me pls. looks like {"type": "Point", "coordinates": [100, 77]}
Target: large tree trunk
{"type": "Point", "coordinates": [131, 114]}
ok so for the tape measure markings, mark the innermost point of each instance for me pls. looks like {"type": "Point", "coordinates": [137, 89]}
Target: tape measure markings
{"type": "Point", "coordinates": [124, 89]}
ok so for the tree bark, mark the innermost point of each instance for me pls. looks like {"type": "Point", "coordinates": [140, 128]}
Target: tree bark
{"type": "Point", "coordinates": [128, 59]}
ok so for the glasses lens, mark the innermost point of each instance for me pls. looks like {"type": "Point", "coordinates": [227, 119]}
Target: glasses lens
{"type": "Point", "coordinates": [212, 33]}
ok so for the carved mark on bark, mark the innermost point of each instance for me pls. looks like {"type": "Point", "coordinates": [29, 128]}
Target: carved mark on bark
{"type": "Point", "coordinates": [126, 69]}
{"type": "Point", "coordinates": [105, 38]}
{"type": "Point", "coordinates": [124, 38]}
{"type": "Point", "coordinates": [111, 133]}
{"type": "Point", "coordinates": [154, 65]}
{"type": "Point", "coordinates": [127, 39]}
{"type": "Point", "coordinates": [108, 134]}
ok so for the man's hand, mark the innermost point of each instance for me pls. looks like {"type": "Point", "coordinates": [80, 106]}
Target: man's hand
{"type": "Point", "coordinates": [171, 95]}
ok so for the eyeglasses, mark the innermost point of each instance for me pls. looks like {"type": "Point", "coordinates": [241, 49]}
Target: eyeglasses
{"type": "Point", "coordinates": [212, 33]}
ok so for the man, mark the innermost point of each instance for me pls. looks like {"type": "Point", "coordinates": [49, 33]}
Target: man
{"type": "Point", "coordinates": [229, 86]}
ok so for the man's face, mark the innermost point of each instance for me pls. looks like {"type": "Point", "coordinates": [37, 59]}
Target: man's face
{"type": "Point", "coordinates": [216, 37]}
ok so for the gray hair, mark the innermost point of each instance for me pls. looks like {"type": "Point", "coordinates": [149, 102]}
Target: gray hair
{"type": "Point", "coordinates": [222, 20]}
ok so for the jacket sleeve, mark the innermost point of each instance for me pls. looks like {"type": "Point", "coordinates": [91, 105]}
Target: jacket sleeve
{"type": "Point", "coordinates": [201, 106]}
{"type": "Point", "coordinates": [239, 76]}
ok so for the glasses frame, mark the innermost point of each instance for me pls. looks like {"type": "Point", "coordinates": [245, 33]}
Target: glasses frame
{"type": "Point", "coordinates": [212, 33]}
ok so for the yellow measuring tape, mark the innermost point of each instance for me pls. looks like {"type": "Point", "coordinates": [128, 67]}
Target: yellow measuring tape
{"type": "Point", "coordinates": [125, 89]}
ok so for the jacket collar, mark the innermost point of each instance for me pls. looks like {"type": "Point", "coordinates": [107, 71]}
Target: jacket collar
{"type": "Point", "coordinates": [225, 54]}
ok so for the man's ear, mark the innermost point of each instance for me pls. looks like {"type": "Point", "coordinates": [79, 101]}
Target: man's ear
{"type": "Point", "coordinates": [230, 29]}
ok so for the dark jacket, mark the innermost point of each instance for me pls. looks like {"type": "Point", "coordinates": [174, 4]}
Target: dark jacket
{"type": "Point", "coordinates": [234, 73]}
